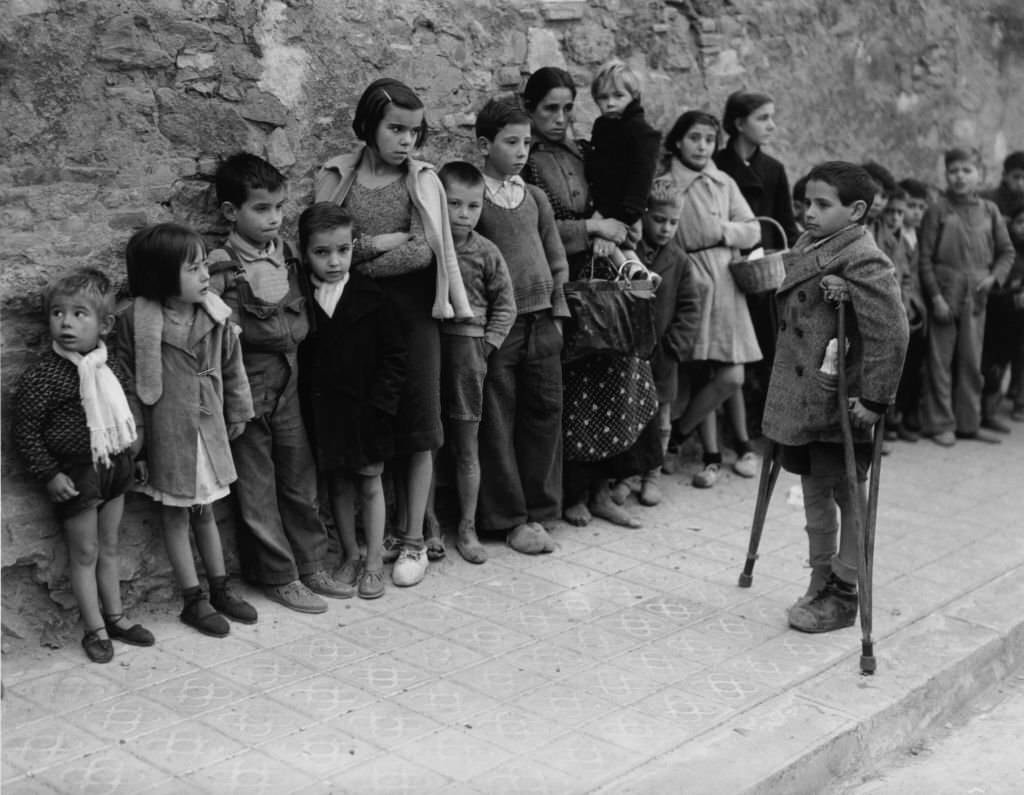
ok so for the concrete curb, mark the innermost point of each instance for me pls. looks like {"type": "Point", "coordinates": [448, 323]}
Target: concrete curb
{"type": "Point", "coordinates": [837, 722]}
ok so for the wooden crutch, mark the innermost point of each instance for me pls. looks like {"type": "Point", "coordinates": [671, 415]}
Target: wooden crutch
{"type": "Point", "coordinates": [765, 486]}
{"type": "Point", "coordinates": [837, 292]}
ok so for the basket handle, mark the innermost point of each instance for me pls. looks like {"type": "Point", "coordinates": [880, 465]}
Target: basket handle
{"type": "Point", "coordinates": [782, 232]}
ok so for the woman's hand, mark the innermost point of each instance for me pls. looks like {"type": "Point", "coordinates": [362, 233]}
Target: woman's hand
{"type": "Point", "coordinates": [389, 241]}
{"type": "Point", "coordinates": [607, 229]}
{"type": "Point", "coordinates": [604, 248]}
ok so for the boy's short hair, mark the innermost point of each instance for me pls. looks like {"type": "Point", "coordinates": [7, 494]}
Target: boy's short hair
{"type": "Point", "coordinates": [154, 257]}
{"type": "Point", "coordinates": [615, 73]}
{"type": "Point", "coordinates": [739, 105]}
{"type": "Point", "coordinates": [91, 284]}
{"type": "Point", "coordinates": [852, 182]}
{"type": "Point", "coordinates": [881, 175]}
{"type": "Point", "coordinates": [243, 172]}
{"type": "Point", "coordinates": [461, 172]}
{"type": "Point", "coordinates": [962, 154]}
{"type": "Point", "coordinates": [664, 193]}
{"type": "Point", "coordinates": [320, 217]}
{"type": "Point", "coordinates": [914, 188]}
{"type": "Point", "coordinates": [373, 104]}
{"type": "Point", "coordinates": [800, 189]}
{"type": "Point", "coordinates": [898, 194]}
{"type": "Point", "coordinates": [1014, 162]}
{"type": "Point", "coordinates": [498, 113]}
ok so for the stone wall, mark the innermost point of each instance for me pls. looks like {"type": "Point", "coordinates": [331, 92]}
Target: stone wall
{"type": "Point", "coordinates": [113, 114]}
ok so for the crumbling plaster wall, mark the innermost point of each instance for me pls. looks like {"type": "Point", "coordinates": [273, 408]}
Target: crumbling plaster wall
{"type": "Point", "coordinates": [113, 114]}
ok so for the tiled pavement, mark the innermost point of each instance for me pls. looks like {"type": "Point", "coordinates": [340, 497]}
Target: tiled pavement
{"type": "Point", "coordinates": [627, 661]}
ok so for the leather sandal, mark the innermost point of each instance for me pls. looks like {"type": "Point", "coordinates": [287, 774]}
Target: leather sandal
{"type": "Point", "coordinates": [97, 649]}
{"type": "Point", "coordinates": [135, 635]}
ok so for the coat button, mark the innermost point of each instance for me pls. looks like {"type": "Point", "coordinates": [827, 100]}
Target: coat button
{"type": "Point", "coordinates": [800, 370]}
{"type": "Point", "coordinates": [801, 296]}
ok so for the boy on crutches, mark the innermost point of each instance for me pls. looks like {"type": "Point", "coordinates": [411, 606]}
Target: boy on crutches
{"type": "Point", "coordinates": [801, 412]}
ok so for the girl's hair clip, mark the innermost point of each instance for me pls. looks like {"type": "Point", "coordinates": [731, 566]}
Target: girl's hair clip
{"type": "Point", "coordinates": [387, 96]}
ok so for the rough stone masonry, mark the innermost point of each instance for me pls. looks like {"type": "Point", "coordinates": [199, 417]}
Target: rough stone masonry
{"type": "Point", "coordinates": [113, 114]}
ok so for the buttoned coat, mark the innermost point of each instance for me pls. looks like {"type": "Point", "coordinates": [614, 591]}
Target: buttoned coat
{"type": "Point", "coordinates": [801, 406]}
{"type": "Point", "coordinates": [197, 389]}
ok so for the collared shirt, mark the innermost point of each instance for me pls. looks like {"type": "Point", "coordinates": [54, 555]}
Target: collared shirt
{"type": "Point", "coordinates": [506, 193]}
{"type": "Point", "coordinates": [328, 294]}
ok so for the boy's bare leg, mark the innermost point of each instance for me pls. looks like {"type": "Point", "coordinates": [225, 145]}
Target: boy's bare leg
{"type": "Point", "coordinates": [83, 552]}
{"type": "Point", "coordinates": [371, 496]}
{"type": "Point", "coordinates": [466, 451]}
{"type": "Point", "coordinates": [175, 522]}
{"type": "Point", "coordinates": [343, 506]}
{"type": "Point", "coordinates": [431, 524]}
{"type": "Point", "coordinates": [723, 383]}
{"type": "Point", "coordinates": [418, 477]}
{"type": "Point", "coordinates": [108, 574]}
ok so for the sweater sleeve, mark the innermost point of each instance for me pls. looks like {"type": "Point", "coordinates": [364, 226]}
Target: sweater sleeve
{"type": "Point", "coordinates": [32, 411]}
{"type": "Point", "coordinates": [1001, 244]}
{"type": "Point", "coordinates": [501, 302]}
{"type": "Point", "coordinates": [682, 332]}
{"type": "Point", "coordinates": [741, 230]}
{"type": "Point", "coordinates": [413, 255]}
{"type": "Point", "coordinates": [927, 247]}
{"type": "Point", "coordinates": [637, 165]}
{"type": "Point", "coordinates": [555, 252]}
{"type": "Point", "coordinates": [238, 405]}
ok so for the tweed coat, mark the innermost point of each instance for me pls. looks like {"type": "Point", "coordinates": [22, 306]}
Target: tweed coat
{"type": "Point", "coordinates": [801, 406]}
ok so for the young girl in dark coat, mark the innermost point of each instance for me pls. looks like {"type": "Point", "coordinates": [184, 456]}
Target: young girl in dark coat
{"type": "Point", "coordinates": [351, 372]}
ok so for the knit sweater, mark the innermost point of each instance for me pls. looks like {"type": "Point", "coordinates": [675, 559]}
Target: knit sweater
{"type": "Point", "coordinates": [489, 290]}
{"type": "Point", "coordinates": [528, 239]}
{"type": "Point", "coordinates": [50, 429]}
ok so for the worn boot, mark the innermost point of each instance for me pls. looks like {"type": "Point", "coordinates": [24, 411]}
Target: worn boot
{"type": "Point", "coordinates": [199, 614]}
{"type": "Point", "coordinates": [650, 494]}
{"type": "Point", "coordinates": [230, 604]}
{"type": "Point", "coordinates": [833, 607]}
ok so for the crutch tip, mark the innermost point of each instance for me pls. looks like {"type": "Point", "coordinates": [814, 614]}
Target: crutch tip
{"type": "Point", "coordinates": [745, 580]}
{"type": "Point", "coordinates": [867, 664]}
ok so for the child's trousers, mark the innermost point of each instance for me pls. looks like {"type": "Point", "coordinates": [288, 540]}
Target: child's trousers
{"type": "Point", "coordinates": [521, 429]}
{"type": "Point", "coordinates": [822, 496]}
{"type": "Point", "coordinates": [952, 396]}
{"type": "Point", "coordinates": [279, 532]}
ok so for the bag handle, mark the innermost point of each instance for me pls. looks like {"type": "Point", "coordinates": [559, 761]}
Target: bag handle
{"type": "Point", "coordinates": [629, 270]}
{"type": "Point", "coordinates": [777, 225]}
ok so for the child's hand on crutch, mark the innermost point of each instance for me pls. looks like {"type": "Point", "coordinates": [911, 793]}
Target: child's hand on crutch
{"type": "Point", "coordinates": [860, 415]}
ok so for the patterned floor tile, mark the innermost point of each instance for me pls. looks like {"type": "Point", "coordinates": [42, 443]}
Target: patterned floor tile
{"type": "Point", "coordinates": [184, 747]}
{"type": "Point", "coordinates": [657, 663]}
{"type": "Point", "coordinates": [562, 572]}
{"type": "Point", "coordinates": [110, 770]}
{"type": "Point", "coordinates": [618, 591]}
{"type": "Point", "coordinates": [255, 720]}
{"type": "Point", "coordinates": [677, 609]}
{"type": "Point", "coordinates": [719, 594]}
{"type": "Point", "coordinates": [29, 785]}
{"type": "Point", "coordinates": [382, 634]}
{"type": "Point", "coordinates": [439, 655]}
{"type": "Point", "coordinates": [637, 731]}
{"type": "Point", "coordinates": [384, 775]}
{"type": "Point", "coordinates": [739, 633]}
{"type": "Point", "coordinates": [46, 743]}
{"type": "Point", "coordinates": [322, 651]}
{"type": "Point", "coordinates": [431, 617]}
{"type": "Point", "coordinates": [733, 689]}
{"type": "Point", "coordinates": [580, 606]}
{"type": "Point", "coordinates": [17, 711]}
{"type": "Point", "coordinates": [595, 642]}
{"type": "Point", "coordinates": [637, 623]}
{"type": "Point", "coordinates": [321, 696]}
{"type": "Point", "coordinates": [566, 702]}
{"type": "Point", "coordinates": [198, 692]}
{"type": "Point", "coordinates": [519, 776]}
{"type": "Point", "coordinates": [447, 701]}
{"type": "Point", "coordinates": [454, 753]}
{"type": "Point", "coordinates": [66, 690]}
{"type": "Point", "coordinates": [200, 651]}
{"type": "Point", "coordinates": [500, 678]}
{"type": "Point", "coordinates": [479, 600]}
{"type": "Point", "coordinates": [250, 773]}
{"type": "Point", "coordinates": [320, 750]}
{"type": "Point", "coordinates": [516, 730]}
{"type": "Point", "coordinates": [617, 681]}
{"type": "Point", "coordinates": [521, 586]}
{"type": "Point", "coordinates": [382, 675]}
{"type": "Point", "coordinates": [692, 563]}
{"type": "Point", "coordinates": [124, 716]}
{"type": "Point", "coordinates": [18, 668]}
{"type": "Point", "coordinates": [605, 560]}
{"type": "Point", "coordinates": [265, 669]}
{"type": "Point", "coordinates": [384, 724]}
{"type": "Point", "coordinates": [488, 638]}
{"type": "Point", "coordinates": [686, 711]}
{"type": "Point", "coordinates": [654, 575]}
{"type": "Point", "coordinates": [589, 759]}
{"type": "Point", "coordinates": [141, 668]}
{"type": "Point", "coordinates": [539, 620]}
{"type": "Point", "coordinates": [550, 659]}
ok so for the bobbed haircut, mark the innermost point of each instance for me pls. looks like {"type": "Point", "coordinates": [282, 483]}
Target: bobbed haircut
{"type": "Point", "coordinates": [498, 113]}
{"type": "Point", "coordinates": [154, 257]}
{"type": "Point", "coordinates": [914, 188]}
{"type": "Point", "coordinates": [739, 105]}
{"type": "Point", "coordinates": [543, 81]}
{"type": "Point", "coordinates": [1014, 162]}
{"type": "Point", "coordinates": [852, 182]}
{"type": "Point", "coordinates": [615, 73]}
{"type": "Point", "coordinates": [963, 154]}
{"type": "Point", "coordinates": [373, 105]}
{"type": "Point", "coordinates": [684, 124]}
{"type": "Point", "coordinates": [461, 173]}
{"type": "Point", "coordinates": [664, 193]}
{"type": "Point", "coordinates": [89, 285]}
{"type": "Point", "coordinates": [242, 173]}
{"type": "Point", "coordinates": [320, 217]}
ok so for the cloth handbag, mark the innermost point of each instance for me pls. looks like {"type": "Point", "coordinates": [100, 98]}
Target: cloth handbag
{"type": "Point", "coordinates": [607, 404]}
{"type": "Point", "coordinates": [614, 315]}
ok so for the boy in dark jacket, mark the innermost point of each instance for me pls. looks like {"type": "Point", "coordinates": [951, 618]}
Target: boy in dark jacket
{"type": "Point", "coordinates": [623, 155]}
{"type": "Point", "coordinates": [801, 412]}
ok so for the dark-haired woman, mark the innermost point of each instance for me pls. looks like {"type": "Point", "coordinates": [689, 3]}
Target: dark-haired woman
{"type": "Point", "coordinates": [402, 239]}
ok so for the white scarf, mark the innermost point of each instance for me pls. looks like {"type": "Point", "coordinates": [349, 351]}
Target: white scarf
{"type": "Point", "coordinates": [110, 420]}
{"type": "Point", "coordinates": [328, 294]}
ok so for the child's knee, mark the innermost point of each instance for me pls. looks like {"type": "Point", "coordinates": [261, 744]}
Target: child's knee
{"type": "Point", "coordinates": [731, 377]}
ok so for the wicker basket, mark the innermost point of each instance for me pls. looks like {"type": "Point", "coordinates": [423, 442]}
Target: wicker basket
{"type": "Point", "coordinates": [763, 274]}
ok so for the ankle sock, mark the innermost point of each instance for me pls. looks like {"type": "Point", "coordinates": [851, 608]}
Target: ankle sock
{"type": "Point", "coordinates": [712, 458]}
